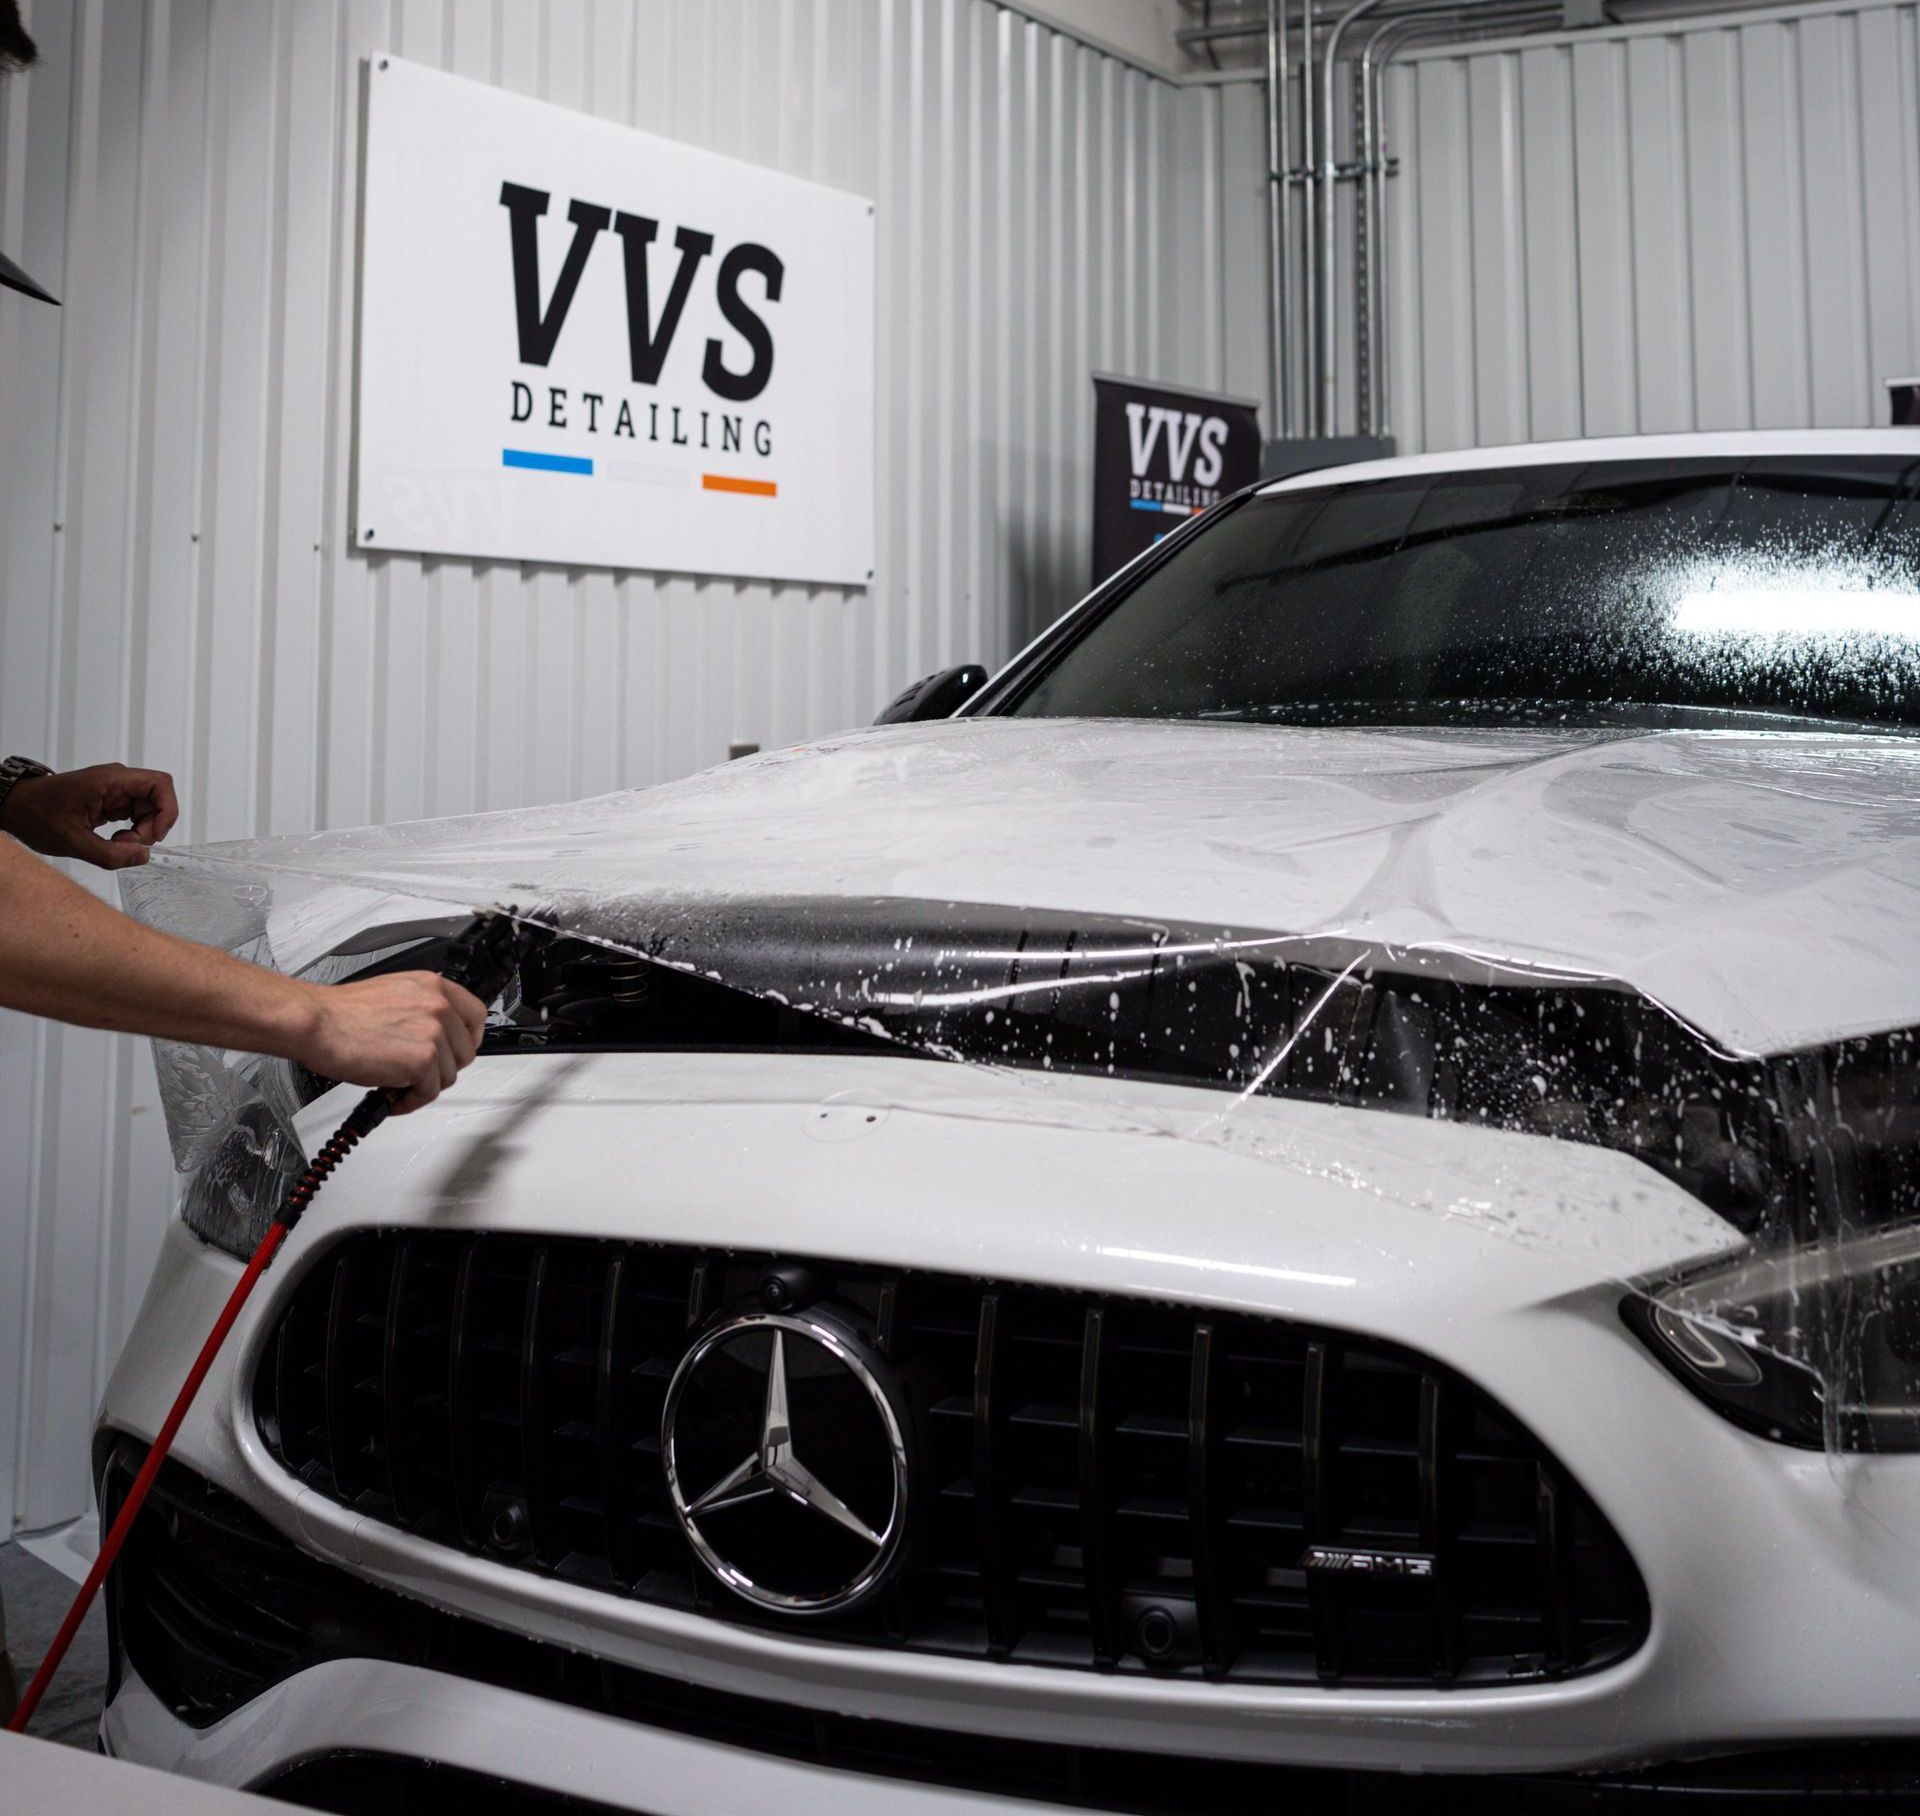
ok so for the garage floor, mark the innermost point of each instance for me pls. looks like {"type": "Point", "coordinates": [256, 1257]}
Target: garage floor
{"type": "Point", "coordinates": [36, 1597]}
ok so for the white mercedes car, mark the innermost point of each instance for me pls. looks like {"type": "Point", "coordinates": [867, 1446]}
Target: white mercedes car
{"type": "Point", "coordinates": [1307, 1200]}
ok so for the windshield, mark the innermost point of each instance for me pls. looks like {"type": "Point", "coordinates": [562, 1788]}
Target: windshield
{"type": "Point", "coordinates": [1640, 593]}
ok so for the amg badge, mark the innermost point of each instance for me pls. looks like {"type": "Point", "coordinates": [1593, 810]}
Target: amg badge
{"type": "Point", "coordinates": [1346, 1560]}
{"type": "Point", "coordinates": [787, 1461]}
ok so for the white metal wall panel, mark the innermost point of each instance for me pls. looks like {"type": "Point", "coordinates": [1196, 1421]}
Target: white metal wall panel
{"type": "Point", "coordinates": [1703, 224]}
{"type": "Point", "coordinates": [173, 474]}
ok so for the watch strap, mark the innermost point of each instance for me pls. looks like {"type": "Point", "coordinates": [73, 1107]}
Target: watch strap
{"type": "Point", "coordinates": [14, 771]}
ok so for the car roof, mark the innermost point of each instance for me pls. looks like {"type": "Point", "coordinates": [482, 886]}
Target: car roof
{"type": "Point", "coordinates": [1737, 444]}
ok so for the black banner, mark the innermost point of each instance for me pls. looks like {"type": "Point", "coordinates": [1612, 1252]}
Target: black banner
{"type": "Point", "coordinates": [1903, 402]}
{"type": "Point", "coordinates": [1161, 456]}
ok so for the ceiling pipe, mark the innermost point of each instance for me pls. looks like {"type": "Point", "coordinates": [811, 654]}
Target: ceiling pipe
{"type": "Point", "coordinates": [1395, 33]}
{"type": "Point", "coordinates": [1254, 24]}
{"type": "Point", "coordinates": [1305, 388]}
{"type": "Point", "coordinates": [1279, 223]}
{"type": "Point", "coordinates": [1328, 361]}
{"type": "Point", "coordinates": [1619, 12]}
{"type": "Point", "coordinates": [1312, 422]}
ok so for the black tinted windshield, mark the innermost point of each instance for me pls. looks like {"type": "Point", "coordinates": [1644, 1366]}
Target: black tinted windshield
{"type": "Point", "coordinates": [1641, 593]}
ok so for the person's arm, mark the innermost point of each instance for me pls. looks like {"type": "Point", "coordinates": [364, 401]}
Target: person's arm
{"type": "Point", "coordinates": [67, 955]}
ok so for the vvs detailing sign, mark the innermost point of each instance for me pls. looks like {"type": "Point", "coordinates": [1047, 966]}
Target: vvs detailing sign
{"type": "Point", "coordinates": [589, 345]}
{"type": "Point", "coordinates": [1161, 456]}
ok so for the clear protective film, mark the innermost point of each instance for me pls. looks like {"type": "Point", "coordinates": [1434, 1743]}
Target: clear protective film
{"type": "Point", "coordinates": [1707, 1099]}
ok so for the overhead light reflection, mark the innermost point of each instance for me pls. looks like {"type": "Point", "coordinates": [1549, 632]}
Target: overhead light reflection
{"type": "Point", "coordinates": [1799, 612]}
{"type": "Point", "coordinates": [1206, 1264]}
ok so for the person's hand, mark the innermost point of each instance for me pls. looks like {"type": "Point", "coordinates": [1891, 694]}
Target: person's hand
{"type": "Point", "coordinates": [410, 1033]}
{"type": "Point", "coordinates": [57, 815]}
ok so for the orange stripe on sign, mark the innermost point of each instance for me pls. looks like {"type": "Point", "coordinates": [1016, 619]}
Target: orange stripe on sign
{"type": "Point", "coordinates": [719, 482]}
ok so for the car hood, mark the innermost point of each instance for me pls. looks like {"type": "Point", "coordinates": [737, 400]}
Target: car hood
{"type": "Point", "coordinates": [1762, 886]}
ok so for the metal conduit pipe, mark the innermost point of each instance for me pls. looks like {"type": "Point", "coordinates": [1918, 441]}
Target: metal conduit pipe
{"type": "Point", "coordinates": [1382, 46]}
{"type": "Point", "coordinates": [1200, 37]}
{"type": "Point", "coordinates": [1279, 222]}
{"type": "Point", "coordinates": [1312, 422]}
{"type": "Point", "coordinates": [1376, 400]}
{"type": "Point", "coordinates": [1372, 256]}
{"type": "Point", "coordinates": [1376, 393]}
{"type": "Point", "coordinates": [1305, 387]}
{"type": "Point", "coordinates": [1621, 12]}
{"type": "Point", "coordinates": [1328, 189]}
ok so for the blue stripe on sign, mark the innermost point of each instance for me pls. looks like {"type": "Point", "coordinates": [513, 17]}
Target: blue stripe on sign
{"type": "Point", "coordinates": [545, 463]}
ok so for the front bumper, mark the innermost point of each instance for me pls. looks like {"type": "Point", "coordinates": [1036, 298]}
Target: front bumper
{"type": "Point", "coordinates": [416, 1729]}
{"type": "Point", "coordinates": [1785, 1606]}
{"type": "Point", "coordinates": [400, 1712]}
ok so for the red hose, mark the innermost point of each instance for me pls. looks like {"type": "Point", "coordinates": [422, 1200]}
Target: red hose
{"type": "Point", "coordinates": [482, 960]}
{"type": "Point", "coordinates": [156, 1455]}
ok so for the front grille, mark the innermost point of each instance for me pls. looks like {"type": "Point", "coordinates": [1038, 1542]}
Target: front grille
{"type": "Point", "coordinates": [1100, 1482]}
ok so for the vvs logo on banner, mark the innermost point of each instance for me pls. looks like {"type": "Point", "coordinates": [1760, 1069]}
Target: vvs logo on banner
{"type": "Point", "coordinates": [1160, 456]}
{"type": "Point", "coordinates": [1183, 428]}
{"type": "Point", "coordinates": [589, 345]}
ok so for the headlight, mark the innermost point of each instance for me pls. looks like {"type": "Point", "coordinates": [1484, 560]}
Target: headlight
{"type": "Point", "coordinates": [231, 1198]}
{"type": "Point", "coordinates": [1817, 1345]}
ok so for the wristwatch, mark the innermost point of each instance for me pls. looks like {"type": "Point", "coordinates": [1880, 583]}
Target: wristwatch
{"type": "Point", "coordinates": [14, 771]}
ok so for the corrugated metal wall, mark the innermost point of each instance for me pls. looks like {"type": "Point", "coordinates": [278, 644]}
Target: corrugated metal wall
{"type": "Point", "coordinates": [178, 587]}
{"type": "Point", "coordinates": [1705, 225]}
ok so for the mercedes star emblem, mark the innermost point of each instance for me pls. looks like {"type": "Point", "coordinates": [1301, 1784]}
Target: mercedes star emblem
{"type": "Point", "coordinates": [787, 1461]}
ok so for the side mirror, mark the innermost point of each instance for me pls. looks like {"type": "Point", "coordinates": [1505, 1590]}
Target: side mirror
{"type": "Point", "coordinates": [937, 697]}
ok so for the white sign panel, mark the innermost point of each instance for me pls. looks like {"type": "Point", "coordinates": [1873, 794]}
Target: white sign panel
{"type": "Point", "coordinates": [585, 344]}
